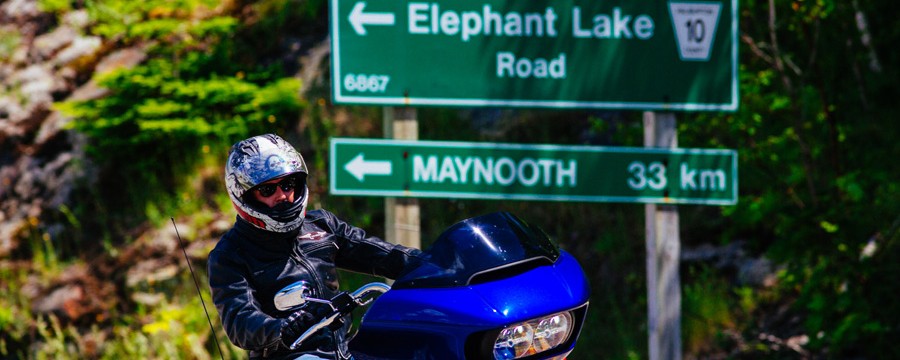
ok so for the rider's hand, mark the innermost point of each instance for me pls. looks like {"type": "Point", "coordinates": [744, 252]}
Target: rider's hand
{"type": "Point", "coordinates": [296, 324]}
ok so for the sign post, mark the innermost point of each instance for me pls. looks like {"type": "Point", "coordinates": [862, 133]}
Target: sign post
{"type": "Point", "coordinates": [401, 220]}
{"type": "Point", "coordinates": [559, 54]}
{"type": "Point", "coordinates": [663, 243]}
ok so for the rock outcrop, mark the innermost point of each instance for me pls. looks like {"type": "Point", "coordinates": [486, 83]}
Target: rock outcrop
{"type": "Point", "coordinates": [43, 60]}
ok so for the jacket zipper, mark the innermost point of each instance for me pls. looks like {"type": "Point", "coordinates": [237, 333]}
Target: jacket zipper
{"type": "Point", "coordinates": [295, 253]}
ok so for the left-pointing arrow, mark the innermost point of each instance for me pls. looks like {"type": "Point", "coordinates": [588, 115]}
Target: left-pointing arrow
{"type": "Point", "coordinates": [359, 19]}
{"type": "Point", "coordinates": [359, 167]}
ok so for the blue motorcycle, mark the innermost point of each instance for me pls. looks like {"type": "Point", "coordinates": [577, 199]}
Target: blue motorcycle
{"type": "Point", "coordinates": [494, 287]}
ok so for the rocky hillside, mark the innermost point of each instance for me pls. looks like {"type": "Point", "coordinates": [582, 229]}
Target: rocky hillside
{"type": "Point", "coordinates": [42, 60]}
{"type": "Point", "coordinates": [45, 59]}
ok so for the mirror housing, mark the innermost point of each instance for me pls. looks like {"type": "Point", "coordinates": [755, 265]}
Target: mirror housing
{"type": "Point", "coordinates": [293, 296]}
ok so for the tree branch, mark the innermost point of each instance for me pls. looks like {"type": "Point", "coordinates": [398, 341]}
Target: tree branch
{"type": "Point", "coordinates": [865, 38]}
{"type": "Point", "coordinates": [756, 50]}
{"type": "Point", "coordinates": [776, 52]}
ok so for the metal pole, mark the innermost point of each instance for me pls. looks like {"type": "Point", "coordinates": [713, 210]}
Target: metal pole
{"type": "Point", "coordinates": [401, 221]}
{"type": "Point", "coordinates": [663, 254]}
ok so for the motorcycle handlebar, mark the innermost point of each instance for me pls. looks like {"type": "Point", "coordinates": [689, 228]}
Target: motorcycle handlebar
{"type": "Point", "coordinates": [356, 299]}
{"type": "Point", "coordinates": [371, 288]}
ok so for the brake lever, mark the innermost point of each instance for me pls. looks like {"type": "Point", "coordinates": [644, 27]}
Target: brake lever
{"type": "Point", "coordinates": [341, 304]}
{"type": "Point", "coordinates": [324, 323]}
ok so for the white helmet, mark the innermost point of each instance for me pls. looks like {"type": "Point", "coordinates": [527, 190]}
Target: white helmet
{"type": "Point", "coordinates": [259, 159]}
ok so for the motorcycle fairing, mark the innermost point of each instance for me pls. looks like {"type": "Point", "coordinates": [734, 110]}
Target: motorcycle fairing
{"type": "Point", "coordinates": [475, 247]}
{"type": "Point", "coordinates": [483, 274]}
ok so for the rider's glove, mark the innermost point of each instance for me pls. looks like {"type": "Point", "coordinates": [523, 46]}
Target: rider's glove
{"type": "Point", "coordinates": [295, 325]}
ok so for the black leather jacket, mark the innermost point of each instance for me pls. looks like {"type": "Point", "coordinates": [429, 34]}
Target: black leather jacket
{"type": "Point", "coordinates": [249, 265]}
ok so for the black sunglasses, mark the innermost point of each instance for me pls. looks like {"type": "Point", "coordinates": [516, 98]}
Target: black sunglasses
{"type": "Point", "coordinates": [288, 184]}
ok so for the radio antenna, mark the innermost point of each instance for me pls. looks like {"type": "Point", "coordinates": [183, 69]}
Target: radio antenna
{"type": "Point", "coordinates": [196, 283]}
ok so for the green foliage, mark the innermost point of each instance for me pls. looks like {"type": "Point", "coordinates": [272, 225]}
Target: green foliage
{"type": "Point", "coordinates": [153, 19]}
{"type": "Point", "coordinates": [815, 140]}
{"type": "Point", "coordinates": [14, 306]}
{"type": "Point", "coordinates": [188, 97]}
{"type": "Point", "coordinates": [54, 6]}
{"type": "Point", "coordinates": [707, 310]}
{"type": "Point", "coordinates": [9, 40]}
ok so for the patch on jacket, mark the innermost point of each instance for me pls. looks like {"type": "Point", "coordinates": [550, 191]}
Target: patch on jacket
{"type": "Point", "coordinates": [313, 235]}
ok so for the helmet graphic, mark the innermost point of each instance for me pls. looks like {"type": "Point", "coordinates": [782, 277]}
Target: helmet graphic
{"type": "Point", "coordinates": [259, 159]}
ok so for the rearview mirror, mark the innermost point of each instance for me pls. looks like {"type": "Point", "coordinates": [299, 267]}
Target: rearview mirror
{"type": "Point", "coordinates": [292, 296]}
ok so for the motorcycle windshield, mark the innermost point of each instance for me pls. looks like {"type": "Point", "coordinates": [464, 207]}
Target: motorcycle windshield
{"type": "Point", "coordinates": [480, 246]}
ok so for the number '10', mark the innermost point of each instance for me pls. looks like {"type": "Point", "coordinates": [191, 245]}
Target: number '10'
{"type": "Point", "coordinates": [696, 30]}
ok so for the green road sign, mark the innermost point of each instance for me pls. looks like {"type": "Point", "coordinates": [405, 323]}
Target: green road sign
{"type": "Point", "coordinates": [372, 167]}
{"type": "Point", "coordinates": [649, 55]}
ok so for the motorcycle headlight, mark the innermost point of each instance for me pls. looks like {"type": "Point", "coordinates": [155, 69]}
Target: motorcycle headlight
{"type": "Point", "coordinates": [533, 336]}
{"type": "Point", "coordinates": [552, 331]}
{"type": "Point", "coordinates": [513, 342]}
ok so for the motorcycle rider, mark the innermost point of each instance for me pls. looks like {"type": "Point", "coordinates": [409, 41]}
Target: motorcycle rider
{"type": "Point", "coordinates": [276, 242]}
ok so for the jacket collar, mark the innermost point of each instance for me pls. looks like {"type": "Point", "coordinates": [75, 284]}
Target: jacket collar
{"type": "Point", "coordinates": [265, 239]}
